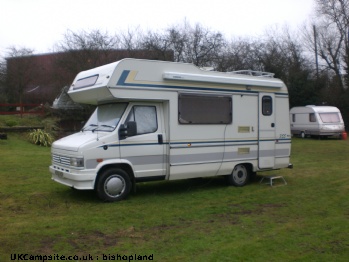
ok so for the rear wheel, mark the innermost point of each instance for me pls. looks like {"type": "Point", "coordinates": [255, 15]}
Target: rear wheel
{"type": "Point", "coordinates": [240, 176]}
{"type": "Point", "coordinates": [113, 185]}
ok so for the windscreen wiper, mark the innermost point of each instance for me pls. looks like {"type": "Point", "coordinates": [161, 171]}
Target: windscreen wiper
{"type": "Point", "coordinates": [108, 126]}
{"type": "Point", "coordinates": [84, 128]}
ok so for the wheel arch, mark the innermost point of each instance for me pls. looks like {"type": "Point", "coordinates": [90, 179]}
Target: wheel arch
{"type": "Point", "coordinates": [248, 165]}
{"type": "Point", "coordinates": [252, 169]}
{"type": "Point", "coordinates": [124, 166]}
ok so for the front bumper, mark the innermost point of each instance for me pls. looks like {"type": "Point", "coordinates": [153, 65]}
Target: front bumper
{"type": "Point", "coordinates": [79, 179]}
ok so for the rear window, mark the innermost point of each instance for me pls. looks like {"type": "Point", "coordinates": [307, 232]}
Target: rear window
{"type": "Point", "coordinates": [86, 82]}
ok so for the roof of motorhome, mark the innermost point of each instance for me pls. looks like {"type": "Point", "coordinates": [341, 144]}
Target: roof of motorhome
{"type": "Point", "coordinates": [153, 70]}
{"type": "Point", "coordinates": [312, 109]}
{"type": "Point", "coordinates": [163, 75]}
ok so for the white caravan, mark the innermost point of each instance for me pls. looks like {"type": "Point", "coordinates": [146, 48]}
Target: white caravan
{"type": "Point", "coordinates": [160, 120]}
{"type": "Point", "coordinates": [316, 121]}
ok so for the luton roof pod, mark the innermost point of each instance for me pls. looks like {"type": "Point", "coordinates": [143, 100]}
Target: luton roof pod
{"type": "Point", "coordinates": [109, 82]}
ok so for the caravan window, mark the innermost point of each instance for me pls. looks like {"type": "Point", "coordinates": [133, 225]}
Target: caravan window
{"type": "Point", "coordinates": [330, 117]}
{"type": "Point", "coordinates": [312, 117]}
{"type": "Point", "coordinates": [267, 105]}
{"type": "Point", "coordinates": [204, 109]}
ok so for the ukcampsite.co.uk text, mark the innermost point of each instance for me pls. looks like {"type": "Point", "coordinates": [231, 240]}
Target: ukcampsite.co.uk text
{"type": "Point", "coordinates": [103, 257]}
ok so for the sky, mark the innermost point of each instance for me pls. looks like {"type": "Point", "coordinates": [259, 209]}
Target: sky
{"type": "Point", "coordinates": [40, 24]}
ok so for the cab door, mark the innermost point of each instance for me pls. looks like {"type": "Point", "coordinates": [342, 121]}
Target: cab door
{"type": "Point", "coordinates": [266, 137]}
{"type": "Point", "coordinates": [145, 150]}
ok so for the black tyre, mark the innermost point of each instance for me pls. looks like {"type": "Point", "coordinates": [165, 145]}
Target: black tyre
{"type": "Point", "coordinates": [113, 185]}
{"type": "Point", "coordinates": [240, 176]}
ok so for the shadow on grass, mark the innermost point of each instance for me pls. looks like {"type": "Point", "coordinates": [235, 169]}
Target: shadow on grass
{"type": "Point", "coordinates": [159, 188]}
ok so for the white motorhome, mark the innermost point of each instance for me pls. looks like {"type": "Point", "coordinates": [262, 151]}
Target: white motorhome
{"type": "Point", "coordinates": [160, 120]}
{"type": "Point", "coordinates": [316, 121]}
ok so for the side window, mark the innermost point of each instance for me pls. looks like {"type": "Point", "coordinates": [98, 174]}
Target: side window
{"type": "Point", "coordinates": [204, 109]}
{"type": "Point", "coordinates": [312, 117]}
{"type": "Point", "coordinates": [145, 117]}
{"type": "Point", "coordinates": [267, 105]}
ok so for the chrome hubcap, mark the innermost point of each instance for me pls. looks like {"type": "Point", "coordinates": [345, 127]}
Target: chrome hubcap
{"type": "Point", "coordinates": [114, 186]}
{"type": "Point", "coordinates": [239, 174]}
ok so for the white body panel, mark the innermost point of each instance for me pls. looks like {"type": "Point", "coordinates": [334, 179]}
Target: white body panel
{"type": "Point", "coordinates": [174, 149]}
{"type": "Point", "coordinates": [316, 120]}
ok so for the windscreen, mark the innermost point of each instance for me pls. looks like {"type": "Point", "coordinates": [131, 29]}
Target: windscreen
{"type": "Point", "coordinates": [105, 117]}
{"type": "Point", "coordinates": [330, 117]}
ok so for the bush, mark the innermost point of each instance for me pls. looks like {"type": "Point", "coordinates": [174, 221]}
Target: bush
{"type": "Point", "coordinates": [11, 122]}
{"type": "Point", "coordinates": [40, 137]}
{"type": "Point", "coordinates": [51, 126]}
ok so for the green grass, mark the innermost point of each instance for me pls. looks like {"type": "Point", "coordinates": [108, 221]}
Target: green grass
{"type": "Point", "coordinates": [188, 220]}
{"type": "Point", "coordinates": [17, 120]}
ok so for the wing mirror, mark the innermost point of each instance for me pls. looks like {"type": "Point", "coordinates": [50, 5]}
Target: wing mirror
{"type": "Point", "coordinates": [127, 130]}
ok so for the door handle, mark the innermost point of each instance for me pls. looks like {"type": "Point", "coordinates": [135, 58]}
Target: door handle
{"type": "Point", "coordinates": [160, 139]}
{"type": "Point", "coordinates": [272, 124]}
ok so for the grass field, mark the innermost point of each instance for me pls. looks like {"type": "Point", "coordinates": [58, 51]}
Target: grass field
{"type": "Point", "coordinates": [188, 220]}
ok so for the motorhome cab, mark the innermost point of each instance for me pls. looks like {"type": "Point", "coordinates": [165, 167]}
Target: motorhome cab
{"type": "Point", "coordinates": [316, 121]}
{"type": "Point", "coordinates": [165, 121]}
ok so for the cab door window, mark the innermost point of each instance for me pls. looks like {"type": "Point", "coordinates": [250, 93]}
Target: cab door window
{"type": "Point", "coordinates": [145, 117]}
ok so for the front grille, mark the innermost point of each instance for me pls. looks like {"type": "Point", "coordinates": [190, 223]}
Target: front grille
{"type": "Point", "coordinates": [63, 160]}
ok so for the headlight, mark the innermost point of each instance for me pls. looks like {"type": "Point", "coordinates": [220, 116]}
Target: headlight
{"type": "Point", "coordinates": [77, 162]}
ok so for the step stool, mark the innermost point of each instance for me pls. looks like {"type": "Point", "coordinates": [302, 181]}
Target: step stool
{"type": "Point", "coordinates": [271, 178]}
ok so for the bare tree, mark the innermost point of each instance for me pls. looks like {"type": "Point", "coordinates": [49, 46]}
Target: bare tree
{"type": "Point", "coordinates": [174, 38]}
{"type": "Point", "coordinates": [161, 44]}
{"type": "Point", "coordinates": [328, 46]}
{"type": "Point", "coordinates": [334, 12]}
{"type": "Point", "coordinates": [197, 45]}
{"type": "Point", "coordinates": [177, 38]}
{"type": "Point", "coordinates": [131, 39]}
{"type": "Point", "coordinates": [239, 54]}
{"type": "Point", "coordinates": [282, 53]}
{"type": "Point", "coordinates": [202, 45]}
{"type": "Point", "coordinates": [84, 50]}
{"type": "Point", "coordinates": [328, 37]}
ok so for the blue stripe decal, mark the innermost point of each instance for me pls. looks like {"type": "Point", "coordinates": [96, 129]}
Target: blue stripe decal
{"type": "Point", "coordinates": [125, 73]}
{"type": "Point", "coordinates": [142, 144]}
{"type": "Point", "coordinates": [123, 77]}
{"type": "Point", "coordinates": [285, 141]}
{"type": "Point", "coordinates": [139, 144]}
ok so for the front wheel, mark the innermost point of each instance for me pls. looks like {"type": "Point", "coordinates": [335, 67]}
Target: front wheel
{"type": "Point", "coordinates": [113, 185]}
{"type": "Point", "coordinates": [240, 176]}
